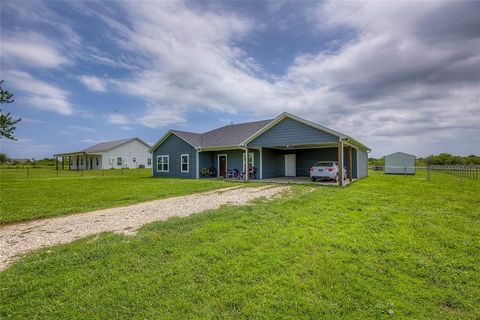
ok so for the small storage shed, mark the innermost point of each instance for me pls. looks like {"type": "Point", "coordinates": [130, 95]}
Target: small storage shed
{"type": "Point", "coordinates": [399, 163]}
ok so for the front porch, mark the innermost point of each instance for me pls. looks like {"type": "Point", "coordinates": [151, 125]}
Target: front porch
{"type": "Point", "coordinates": [78, 161]}
{"type": "Point", "coordinates": [279, 164]}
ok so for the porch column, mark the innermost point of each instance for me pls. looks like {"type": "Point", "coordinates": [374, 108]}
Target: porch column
{"type": "Point", "coordinates": [340, 163]}
{"type": "Point", "coordinates": [261, 163]}
{"type": "Point", "coordinates": [247, 173]}
{"type": "Point", "coordinates": [349, 169]}
{"type": "Point", "coordinates": [197, 166]}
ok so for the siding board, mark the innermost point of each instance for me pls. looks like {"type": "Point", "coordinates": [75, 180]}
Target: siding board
{"type": "Point", "coordinates": [175, 147]}
{"type": "Point", "coordinates": [291, 132]}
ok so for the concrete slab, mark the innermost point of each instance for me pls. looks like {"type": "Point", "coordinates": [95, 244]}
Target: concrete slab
{"type": "Point", "coordinates": [300, 180]}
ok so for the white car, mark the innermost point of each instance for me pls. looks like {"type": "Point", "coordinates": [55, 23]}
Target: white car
{"type": "Point", "coordinates": [326, 170]}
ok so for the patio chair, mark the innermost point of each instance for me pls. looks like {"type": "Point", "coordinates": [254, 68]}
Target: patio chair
{"type": "Point", "coordinates": [230, 174]}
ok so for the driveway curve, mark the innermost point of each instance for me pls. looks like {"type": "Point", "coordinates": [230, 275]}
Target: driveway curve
{"type": "Point", "coordinates": [18, 239]}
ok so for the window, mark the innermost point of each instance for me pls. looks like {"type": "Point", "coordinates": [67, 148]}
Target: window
{"type": "Point", "coordinates": [96, 161]}
{"type": "Point", "coordinates": [184, 162]}
{"type": "Point", "coordinates": [134, 159]}
{"type": "Point", "coordinates": [81, 162]}
{"type": "Point", "coordinates": [162, 163]}
{"type": "Point", "coordinates": [112, 161]}
{"type": "Point", "coordinates": [149, 161]}
{"type": "Point", "coordinates": [119, 161]}
{"type": "Point", "coordinates": [251, 162]}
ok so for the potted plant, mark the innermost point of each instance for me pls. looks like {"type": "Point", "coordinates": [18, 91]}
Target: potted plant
{"type": "Point", "coordinates": [212, 172]}
{"type": "Point", "coordinates": [203, 172]}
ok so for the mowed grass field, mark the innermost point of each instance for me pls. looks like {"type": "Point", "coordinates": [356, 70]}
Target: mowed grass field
{"type": "Point", "coordinates": [384, 247]}
{"type": "Point", "coordinates": [43, 194]}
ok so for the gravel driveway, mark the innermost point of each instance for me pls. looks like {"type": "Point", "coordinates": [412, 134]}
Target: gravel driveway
{"type": "Point", "coordinates": [18, 239]}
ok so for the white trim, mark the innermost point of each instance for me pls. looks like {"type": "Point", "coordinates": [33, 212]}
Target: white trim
{"type": "Point", "coordinates": [197, 165]}
{"type": "Point", "coordinates": [261, 163]}
{"type": "Point", "coordinates": [168, 164]}
{"type": "Point", "coordinates": [181, 163]}
{"type": "Point", "coordinates": [218, 148]}
{"type": "Point", "coordinates": [218, 163]}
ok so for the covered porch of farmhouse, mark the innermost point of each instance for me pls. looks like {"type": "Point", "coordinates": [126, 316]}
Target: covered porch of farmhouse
{"type": "Point", "coordinates": [78, 161]}
{"type": "Point", "coordinates": [280, 164]}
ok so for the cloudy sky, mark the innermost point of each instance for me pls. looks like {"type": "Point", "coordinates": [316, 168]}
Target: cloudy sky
{"type": "Point", "coordinates": [398, 76]}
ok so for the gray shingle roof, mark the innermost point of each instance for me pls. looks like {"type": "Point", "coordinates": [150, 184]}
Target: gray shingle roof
{"type": "Point", "coordinates": [231, 135]}
{"type": "Point", "coordinates": [195, 139]}
{"type": "Point", "coordinates": [105, 146]}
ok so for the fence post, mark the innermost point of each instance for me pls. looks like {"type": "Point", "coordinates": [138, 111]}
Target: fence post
{"type": "Point", "coordinates": [428, 172]}
{"type": "Point", "coordinates": [28, 172]}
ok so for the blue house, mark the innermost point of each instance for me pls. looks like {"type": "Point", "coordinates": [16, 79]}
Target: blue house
{"type": "Point", "coordinates": [285, 146]}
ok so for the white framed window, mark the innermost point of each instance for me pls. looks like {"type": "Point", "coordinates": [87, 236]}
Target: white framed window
{"type": "Point", "coordinates": [184, 162]}
{"type": "Point", "coordinates": [111, 161]}
{"type": "Point", "coordinates": [119, 161]}
{"type": "Point", "coordinates": [163, 163]}
{"type": "Point", "coordinates": [149, 161]}
{"type": "Point", "coordinates": [251, 160]}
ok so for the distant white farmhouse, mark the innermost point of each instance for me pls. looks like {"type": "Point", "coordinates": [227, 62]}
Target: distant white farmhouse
{"type": "Point", "coordinates": [126, 153]}
{"type": "Point", "coordinates": [399, 163]}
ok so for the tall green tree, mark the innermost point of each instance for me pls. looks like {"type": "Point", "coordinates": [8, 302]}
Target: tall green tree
{"type": "Point", "coordinates": [7, 123]}
{"type": "Point", "coordinates": [3, 158]}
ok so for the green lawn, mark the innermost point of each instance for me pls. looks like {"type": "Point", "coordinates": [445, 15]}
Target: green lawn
{"type": "Point", "coordinates": [384, 247]}
{"type": "Point", "coordinates": [44, 194]}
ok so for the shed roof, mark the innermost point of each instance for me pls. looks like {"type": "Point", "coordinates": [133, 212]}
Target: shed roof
{"type": "Point", "coordinates": [400, 153]}
{"type": "Point", "coordinates": [104, 146]}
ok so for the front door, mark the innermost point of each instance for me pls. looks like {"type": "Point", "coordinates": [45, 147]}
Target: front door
{"type": "Point", "coordinates": [222, 171]}
{"type": "Point", "coordinates": [91, 163]}
{"type": "Point", "coordinates": [290, 165]}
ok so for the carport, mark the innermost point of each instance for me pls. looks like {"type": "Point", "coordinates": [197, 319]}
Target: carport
{"type": "Point", "coordinates": [292, 163]}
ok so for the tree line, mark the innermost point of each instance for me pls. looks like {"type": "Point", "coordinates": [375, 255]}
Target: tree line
{"type": "Point", "coordinates": [435, 159]}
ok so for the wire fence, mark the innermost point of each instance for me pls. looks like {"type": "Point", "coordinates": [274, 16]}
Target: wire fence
{"type": "Point", "coordinates": [22, 172]}
{"type": "Point", "coordinates": [463, 171]}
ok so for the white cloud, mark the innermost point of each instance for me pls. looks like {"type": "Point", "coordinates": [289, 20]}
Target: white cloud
{"type": "Point", "coordinates": [116, 118]}
{"type": "Point", "coordinates": [408, 76]}
{"type": "Point", "coordinates": [89, 141]}
{"type": "Point", "coordinates": [40, 94]}
{"type": "Point", "coordinates": [31, 120]}
{"type": "Point", "coordinates": [81, 128]}
{"type": "Point", "coordinates": [93, 83]}
{"type": "Point", "coordinates": [32, 49]}
{"type": "Point", "coordinates": [160, 117]}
